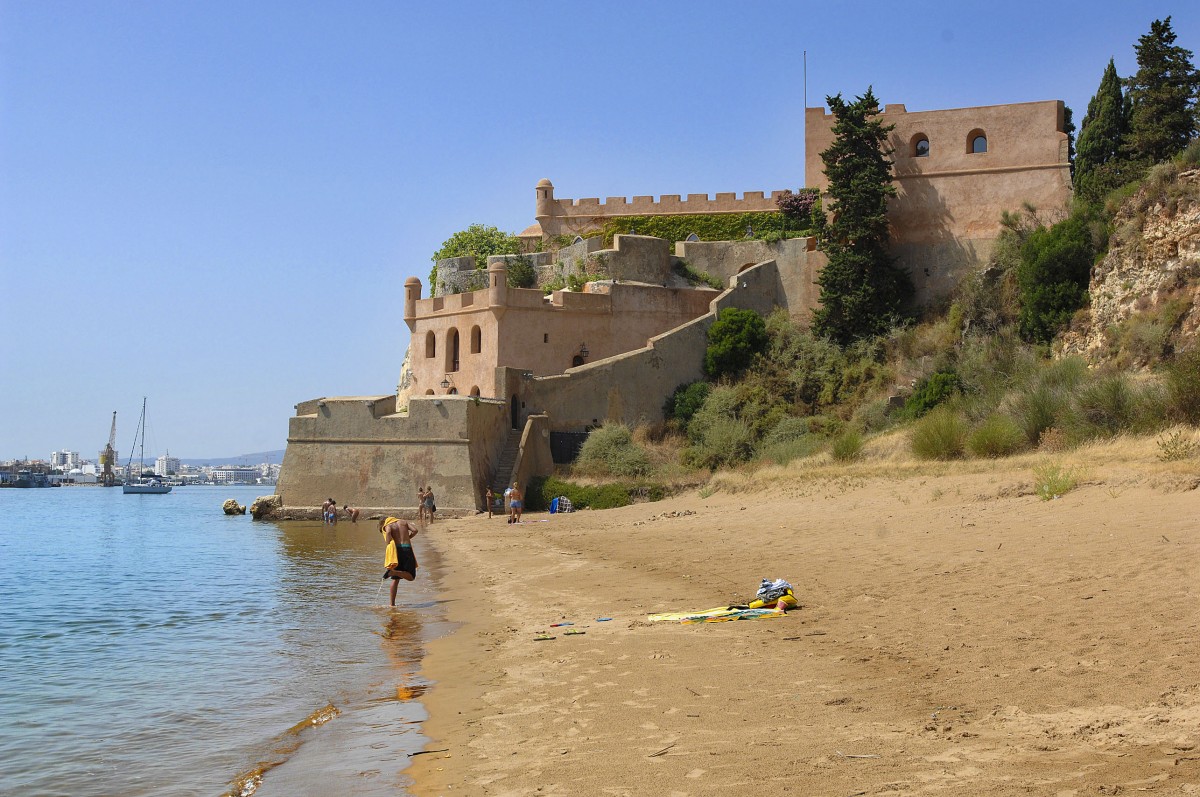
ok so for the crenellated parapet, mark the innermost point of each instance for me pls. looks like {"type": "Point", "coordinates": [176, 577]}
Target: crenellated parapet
{"type": "Point", "coordinates": [574, 216]}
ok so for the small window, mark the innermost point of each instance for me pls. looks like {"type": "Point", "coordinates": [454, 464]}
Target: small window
{"type": "Point", "coordinates": [692, 237]}
{"type": "Point", "coordinates": [976, 142]}
{"type": "Point", "coordinates": [428, 392]}
{"type": "Point", "coordinates": [430, 344]}
{"type": "Point", "coordinates": [920, 146]}
{"type": "Point", "coordinates": [476, 340]}
{"type": "Point", "coordinates": [475, 390]}
{"type": "Point", "coordinates": [578, 240]}
{"type": "Point", "coordinates": [576, 361]}
{"type": "Point", "coordinates": [545, 337]}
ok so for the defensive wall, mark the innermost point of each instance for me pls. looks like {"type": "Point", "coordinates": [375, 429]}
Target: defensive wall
{"type": "Point", "coordinates": [633, 386]}
{"type": "Point", "coordinates": [360, 451]}
{"type": "Point", "coordinates": [956, 171]}
{"type": "Point", "coordinates": [577, 216]}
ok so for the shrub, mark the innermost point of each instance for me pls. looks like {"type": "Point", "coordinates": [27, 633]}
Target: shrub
{"type": "Point", "coordinates": [610, 449]}
{"type": "Point", "coordinates": [1039, 409]}
{"type": "Point", "coordinates": [733, 340]}
{"type": "Point", "coordinates": [781, 452]}
{"type": "Point", "coordinates": [1052, 276]}
{"type": "Point", "coordinates": [931, 392]}
{"type": "Point", "coordinates": [1105, 407]}
{"type": "Point", "coordinates": [941, 434]}
{"type": "Point", "coordinates": [694, 277]}
{"type": "Point", "coordinates": [1053, 481]}
{"type": "Point", "coordinates": [686, 401]}
{"type": "Point", "coordinates": [521, 273]}
{"type": "Point", "coordinates": [998, 436]}
{"type": "Point", "coordinates": [1176, 446]}
{"type": "Point", "coordinates": [874, 416]}
{"type": "Point", "coordinates": [847, 447]}
{"type": "Point", "coordinates": [725, 441]}
{"type": "Point", "coordinates": [602, 496]}
{"type": "Point", "coordinates": [1183, 387]}
{"type": "Point", "coordinates": [1052, 441]}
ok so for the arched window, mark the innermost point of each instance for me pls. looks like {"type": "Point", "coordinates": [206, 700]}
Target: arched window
{"type": "Point", "coordinates": [429, 392]}
{"type": "Point", "coordinates": [920, 146]}
{"type": "Point", "coordinates": [976, 142]}
{"type": "Point", "coordinates": [430, 344]}
{"type": "Point", "coordinates": [692, 237]}
{"type": "Point", "coordinates": [453, 391]}
{"type": "Point", "coordinates": [576, 361]}
{"type": "Point", "coordinates": [475, 390]}
{"type": "Point", "coordinates": [578, 240]}
{"type": "Point", "coordinates": [452, 350]}
{"type": "Point", "coordinates": [476, 340]}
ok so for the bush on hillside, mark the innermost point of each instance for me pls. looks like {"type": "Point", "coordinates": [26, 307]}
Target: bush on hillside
{"type": "Point", "coordinates": [686, 401]}
{"type": "Point", "coordinates": [998, 436]}
{"type": "Point", "coordinates": [941, 434]}
{"type": "Point", "coordinates": [931, 392]}
{"type": "Point", "coordinates": [1183, 387]}
{"type": "Point", "coordinates": [847, 446]}
{"type": "Point", "coordinates": [543, 490]}
{"type": "Point", "coordinates": [1053, 274]}
{"type": "Point", "coordinates": [733, 341]}
{"type": "Point", "coordinates": [723, 442]}
{"type": "Point", "coordinates": [610, 449]}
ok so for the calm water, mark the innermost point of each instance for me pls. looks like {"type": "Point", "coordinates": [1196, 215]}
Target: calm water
{"type": "Point", "coordinates": [149, 644]}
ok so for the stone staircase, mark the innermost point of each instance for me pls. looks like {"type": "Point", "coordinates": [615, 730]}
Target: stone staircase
{"type": "Point", "coordinates": [506, 462]}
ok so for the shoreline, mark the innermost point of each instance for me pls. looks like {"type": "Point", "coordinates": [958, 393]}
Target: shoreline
{"type": "Point", "coordinates": [954, 633]}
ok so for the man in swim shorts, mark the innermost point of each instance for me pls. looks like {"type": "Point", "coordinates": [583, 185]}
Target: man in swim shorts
{"type": "Point", "coordinates": [398, 556]}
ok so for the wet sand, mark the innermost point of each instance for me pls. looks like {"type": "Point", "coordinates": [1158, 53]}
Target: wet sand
{"type": "Point", "coordinates": [956, 635]}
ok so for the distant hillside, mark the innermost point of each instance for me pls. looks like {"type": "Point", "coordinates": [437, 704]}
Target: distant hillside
{"type": "Point", "coordinates": [256, 458]}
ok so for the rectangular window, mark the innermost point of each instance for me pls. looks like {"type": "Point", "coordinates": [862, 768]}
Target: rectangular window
{"type": "Point", "coordinates": [545, 337]}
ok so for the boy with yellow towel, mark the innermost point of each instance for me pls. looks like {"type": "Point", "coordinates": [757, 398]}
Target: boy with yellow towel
{"type": "Point", "coordinates": [398, 556]}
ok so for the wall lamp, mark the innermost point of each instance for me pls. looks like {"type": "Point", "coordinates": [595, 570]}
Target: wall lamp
{"type": "Point", "coordinates": [446, 382]}
{"type": "Point", "coordinates": [583, 350]}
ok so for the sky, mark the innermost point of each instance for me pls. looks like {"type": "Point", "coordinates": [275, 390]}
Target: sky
{"type": "Point", "coordinates": [215, 204]}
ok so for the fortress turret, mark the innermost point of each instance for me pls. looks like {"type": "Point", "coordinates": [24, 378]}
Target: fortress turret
{"type": "Point", "coordinates": [497, 284]}
{"type": "Point", "coordinates": [544, 208]}
{"type": "Point", "coordinates": [412, 293]}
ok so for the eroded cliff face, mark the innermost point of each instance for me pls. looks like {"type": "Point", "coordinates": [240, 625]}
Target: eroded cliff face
{"type": "Point", "coordinates": [1145, 293]}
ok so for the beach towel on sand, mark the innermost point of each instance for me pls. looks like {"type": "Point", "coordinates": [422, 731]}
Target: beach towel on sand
{"type": "Point", "coordinates": [721, 614]}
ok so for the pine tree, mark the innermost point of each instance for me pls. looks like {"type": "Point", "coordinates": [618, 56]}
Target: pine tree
{"type": "Point", "coordinates": [1099, 155]}
{"type": "Point", "coordinates": [862, 291]}
{"type": "Point", "coordinates": [1162, 95]}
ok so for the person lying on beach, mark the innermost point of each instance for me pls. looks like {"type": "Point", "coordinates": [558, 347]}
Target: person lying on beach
{"type": "Point", "coordinates": [351, 513]}
{"type": "Point", "coordinates": [398, 557]}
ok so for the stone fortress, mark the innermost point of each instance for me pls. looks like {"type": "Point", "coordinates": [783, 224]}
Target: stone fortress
{"type": "Point", "coordinates": [499, 384]}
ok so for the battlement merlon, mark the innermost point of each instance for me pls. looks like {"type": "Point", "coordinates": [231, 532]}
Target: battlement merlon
{"type": "Point", "coordinates": [548, 207]}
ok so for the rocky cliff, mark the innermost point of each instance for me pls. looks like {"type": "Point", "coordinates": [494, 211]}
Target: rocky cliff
{"type": "Point", "coordinates": [1145, 293]}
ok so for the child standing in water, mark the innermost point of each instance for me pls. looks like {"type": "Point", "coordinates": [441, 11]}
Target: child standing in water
{"type": "Point", "coordinates": [398, 557]}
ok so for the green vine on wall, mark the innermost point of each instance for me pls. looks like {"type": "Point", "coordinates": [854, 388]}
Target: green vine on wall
{"type": "Point", "coordinates": [770, 225]}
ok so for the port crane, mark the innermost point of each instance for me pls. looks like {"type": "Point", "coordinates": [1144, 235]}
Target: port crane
{"type": "Point", "coordinates": [109, 455]}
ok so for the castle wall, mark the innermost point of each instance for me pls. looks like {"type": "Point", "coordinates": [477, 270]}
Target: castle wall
{"type": "Point", "coordinates": [578, 216]}
{"type": "Point", "coordinates": [799, 264]}
{"type": "Point", "coordinates": [632, 387]}
{"type": "Point", "coordinates": [945, 217]}
{"type": "Point", "coordinates": [376, 459]}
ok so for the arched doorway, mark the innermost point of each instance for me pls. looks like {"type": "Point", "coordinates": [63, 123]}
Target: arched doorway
{"type": "Point", "coordinates": [452, 350]}
{"type": "Point", "coordinates": [516, 412]}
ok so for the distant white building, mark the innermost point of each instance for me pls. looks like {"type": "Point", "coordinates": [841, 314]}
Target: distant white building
{"type": "Point", "coordinates": [65, 459]}
{"type": "Point", "coordinates": [166, 466]}
{"type": "Point", "coordinates": [234, 474]}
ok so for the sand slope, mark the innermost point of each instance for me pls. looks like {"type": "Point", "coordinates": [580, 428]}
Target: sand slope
{"type": "Point", "coordinates": [957, 635]}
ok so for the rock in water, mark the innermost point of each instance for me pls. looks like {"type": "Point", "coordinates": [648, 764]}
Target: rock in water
{"type": "Point", "coordinates": [265, 507]}
{"type": "Point", "coordinates": [232, 507]}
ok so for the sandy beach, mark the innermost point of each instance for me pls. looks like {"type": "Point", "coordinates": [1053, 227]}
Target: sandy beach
{"type": "Point", "coordinates": [956, 635]}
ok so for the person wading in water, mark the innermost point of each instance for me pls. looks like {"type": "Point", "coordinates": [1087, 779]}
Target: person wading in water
{"type": "Point", "coordinates": [398, 556]}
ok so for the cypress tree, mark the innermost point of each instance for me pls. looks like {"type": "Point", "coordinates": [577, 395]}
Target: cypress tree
{"type": "Point", "coordinates": [862, 291]}
{"type": "Point", "coordinates": [1099, 152]}
{"type": "Point", "coordinates": [1162, 95]}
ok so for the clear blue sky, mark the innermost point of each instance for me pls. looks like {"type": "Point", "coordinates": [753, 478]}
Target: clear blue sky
{"type": "Point", "coordinates": [216, 204]}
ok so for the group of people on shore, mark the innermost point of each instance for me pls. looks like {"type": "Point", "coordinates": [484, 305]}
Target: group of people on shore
{"type": "Point", "coordinates": [329, 512]}
{"type": "Point", "coordinates": [514, 502]}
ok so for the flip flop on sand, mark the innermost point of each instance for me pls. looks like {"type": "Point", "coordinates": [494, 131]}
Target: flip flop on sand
{"type": "Point", "coordinates": [542, 637]}
{"type": "Point", "coordinates": [573, 632]}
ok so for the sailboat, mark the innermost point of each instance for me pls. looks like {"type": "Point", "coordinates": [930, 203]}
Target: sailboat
{"type": "Point", "coordinates": [138, 485]}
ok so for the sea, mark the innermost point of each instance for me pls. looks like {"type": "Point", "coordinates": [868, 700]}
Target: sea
{"type": "Point", "coordinates": [152, 645]}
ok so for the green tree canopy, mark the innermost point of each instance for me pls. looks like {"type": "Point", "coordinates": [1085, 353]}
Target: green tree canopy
{"type": "Point", "coordinates": [1162, 95]}
{"type": "Point", "coordinates": [862, 291]}
{"type": "Point", "coordinates": [733, 340]}
{"type": "Point", "coordinates": [1053, 273]}
{"type": "Point", "coordinates": [1099, 155]}
{"type": "Point", "coordinates": [479, 240]}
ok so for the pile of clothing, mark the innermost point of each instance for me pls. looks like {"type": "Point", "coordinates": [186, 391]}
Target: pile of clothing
{"type": "Point", "coordinates": [561, 504]}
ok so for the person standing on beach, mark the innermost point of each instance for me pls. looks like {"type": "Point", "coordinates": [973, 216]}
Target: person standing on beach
{"type": "Point", "coordinates": [488, 498]}
{"type": "Point", "coordinates": [430, 506]}
{"type": "Point", "coordinates": [515, 503]}
{"type": "Point", "coordinates": [398, 557]}
{"type": "Point", "coordinates": [329, 512]}
{"type": "Point", "coordinates": [351, 513]}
